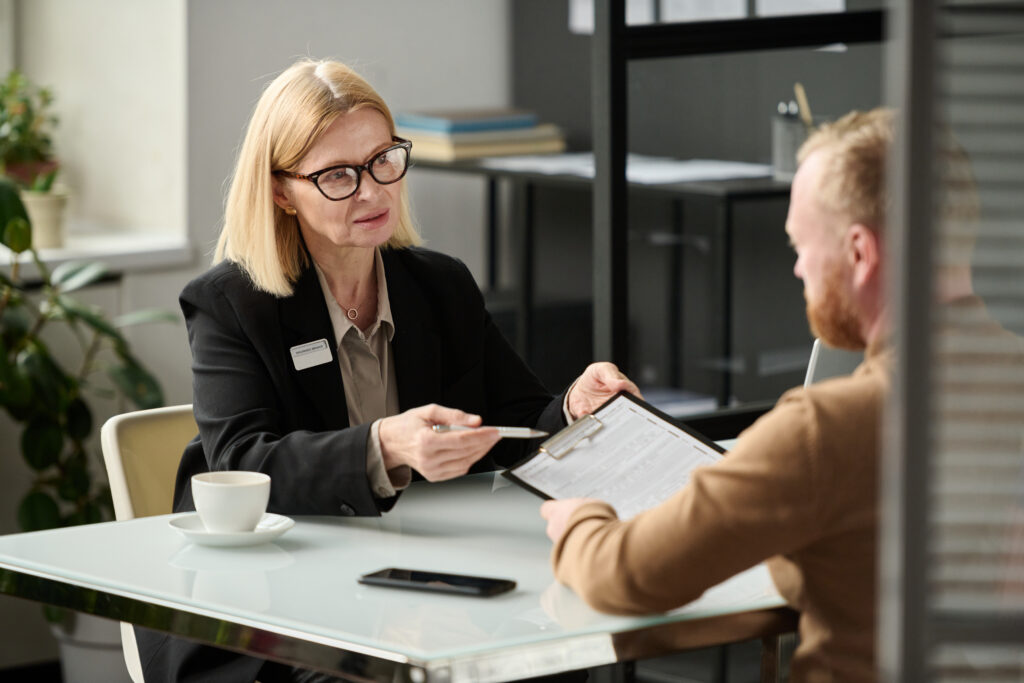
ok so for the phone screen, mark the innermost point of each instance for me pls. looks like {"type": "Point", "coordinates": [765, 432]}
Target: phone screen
{"type": "Point", "coordinates": [438, 581]}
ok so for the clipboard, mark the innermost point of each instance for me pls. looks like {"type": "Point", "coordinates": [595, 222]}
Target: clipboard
{"type": "Point", "coordinates": [627, 453]}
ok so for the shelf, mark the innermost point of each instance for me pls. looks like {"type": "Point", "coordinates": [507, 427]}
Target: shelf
{"type": "Point", "coordinates": [613, 45]}
{"type": "Point", "coordinates": [745, 35]}
{"type": "Point", "coordinates": [746, 188]}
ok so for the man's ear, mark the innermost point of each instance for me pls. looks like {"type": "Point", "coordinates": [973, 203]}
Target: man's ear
{"type": "Point", "coordinates": [864, 251]}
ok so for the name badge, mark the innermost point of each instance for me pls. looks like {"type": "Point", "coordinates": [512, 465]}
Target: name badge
{"type": "Point", "coordinates": [311, 354]}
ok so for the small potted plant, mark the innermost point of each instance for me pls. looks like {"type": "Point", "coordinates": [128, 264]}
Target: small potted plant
{"type": "Point", "coordinates": [26, 155]}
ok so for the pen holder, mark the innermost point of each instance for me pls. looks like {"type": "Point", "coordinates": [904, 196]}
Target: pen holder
{"type": "Point", "coordinates": [788, 133]}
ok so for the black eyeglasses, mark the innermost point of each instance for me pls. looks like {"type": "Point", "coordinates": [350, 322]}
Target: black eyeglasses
{"type": "Point", "coordinates": [342, 181]}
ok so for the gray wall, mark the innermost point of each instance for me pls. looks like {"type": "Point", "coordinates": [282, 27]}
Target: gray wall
{"type": "Point", "coordinates": [441, 53]}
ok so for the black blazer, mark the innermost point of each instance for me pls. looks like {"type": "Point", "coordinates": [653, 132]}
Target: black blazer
{"type": "Point", "coordinates": [255, 411]}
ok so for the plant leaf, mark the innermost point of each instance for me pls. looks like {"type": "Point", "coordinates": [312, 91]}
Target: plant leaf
{"type": "Point", "coordinates": [146, 315]}
{"type": "Point", "coordinates": [44, 181]}
{"type": "Point", "coordinates": [67, 277]}
{"type": "Point", "coordinates": [38, 511]}
{"type": "Point", "coordinates": [17, 235]}
{"type": "Point", "coordinates": [79, 419]}
{"type": "Point", "coordinates": [90, 317]}
{"type": "Point", "coordinates": [16, 394]}
{"type": "Point", "coordinates": [140, 387]}
{"type": "Point", "coordinates": [47, 379]}
{"type": "Point", "coordinates": [15, 323]}
{"type": "Point", "coordinates": [15, 390]}
{"type": "Point", "coordinates": [75, 481]}
{"type": "Point", "coordinates": [42, 442]}
{"type": "Point", "coordinates": [15, 231]}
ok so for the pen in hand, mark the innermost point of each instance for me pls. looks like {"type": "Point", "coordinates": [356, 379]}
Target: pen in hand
{"type": "Point", "coordinates": [504, 432]}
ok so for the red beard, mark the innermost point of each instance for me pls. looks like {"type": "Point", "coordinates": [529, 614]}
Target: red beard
{"type": "Point", "coordinates": [833, 317]}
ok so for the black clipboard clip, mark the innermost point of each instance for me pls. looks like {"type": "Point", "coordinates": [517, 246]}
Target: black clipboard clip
{"type": "Point", "coordinates": [567, 439]}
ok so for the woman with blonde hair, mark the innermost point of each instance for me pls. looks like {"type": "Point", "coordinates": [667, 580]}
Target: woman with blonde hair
{"type": "Point", "coordinates": [326, 343]}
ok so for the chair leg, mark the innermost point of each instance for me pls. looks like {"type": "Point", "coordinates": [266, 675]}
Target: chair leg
{"type": "Point", "coordinates": [623, 672]}
{"type": "Point", "coordinates": [720, 672]}
{"type": "Point", "coordinates": [776, 652]}
{"type": "Point", "coordinates": [770, 659]}
{"type": "Point", "coordinates": [131, 653]}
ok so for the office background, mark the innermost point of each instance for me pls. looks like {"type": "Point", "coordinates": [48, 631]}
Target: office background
{"type": "Point", "coordinates": [166, 86]}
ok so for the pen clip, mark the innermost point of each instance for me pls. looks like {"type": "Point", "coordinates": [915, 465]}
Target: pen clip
{"type": "Point", "coordinates": [567, 439]}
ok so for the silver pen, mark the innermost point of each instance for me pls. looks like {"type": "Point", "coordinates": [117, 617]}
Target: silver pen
{"type": "Point", "coordinates": [504, 432]}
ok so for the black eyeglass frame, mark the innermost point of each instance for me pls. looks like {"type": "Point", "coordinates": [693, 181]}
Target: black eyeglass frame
{"type": "Point", "coordinates": [314, 177]}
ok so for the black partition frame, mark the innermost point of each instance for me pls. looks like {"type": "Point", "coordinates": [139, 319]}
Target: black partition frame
{"type": "Point", "coordinates": [614, 44]}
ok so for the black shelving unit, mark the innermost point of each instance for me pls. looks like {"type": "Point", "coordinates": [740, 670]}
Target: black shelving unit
{"type": "Point", "coordinates": [614, 45]}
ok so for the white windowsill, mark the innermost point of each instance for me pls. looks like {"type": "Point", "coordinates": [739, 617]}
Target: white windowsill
{"type": "Point", "coordinates": [120, 251]}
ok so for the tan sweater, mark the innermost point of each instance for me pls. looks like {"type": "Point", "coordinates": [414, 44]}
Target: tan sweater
{"type": "Point", "coordinates": [799, 490]}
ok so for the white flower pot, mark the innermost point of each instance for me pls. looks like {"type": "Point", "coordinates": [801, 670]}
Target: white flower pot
{"type": "Point", "coordinates": [46, 214]}
{"type": "Point", "coordinates": [90, 652]}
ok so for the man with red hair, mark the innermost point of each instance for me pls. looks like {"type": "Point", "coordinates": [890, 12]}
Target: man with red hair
{"type": "Point", "coordinates": [799, 490]}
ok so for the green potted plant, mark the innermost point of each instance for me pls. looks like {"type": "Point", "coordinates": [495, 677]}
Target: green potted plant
{"type": "Point", "coordinates": [26, 155]}
{"type": "Point", "coordinates": [49, 401]}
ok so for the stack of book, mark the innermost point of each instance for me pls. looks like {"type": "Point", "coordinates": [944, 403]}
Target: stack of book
{"type": "Point", "coordinates": [469, 134]}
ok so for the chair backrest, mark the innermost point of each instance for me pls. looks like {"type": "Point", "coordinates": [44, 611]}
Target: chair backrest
{"type": "Point", "coordinates": [141, 451]}
{"type": "Point", "coordinates": [827, 362]}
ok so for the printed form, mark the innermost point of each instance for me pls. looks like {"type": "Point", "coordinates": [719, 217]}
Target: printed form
{"type": "Point", "coordinates": [634, 461]}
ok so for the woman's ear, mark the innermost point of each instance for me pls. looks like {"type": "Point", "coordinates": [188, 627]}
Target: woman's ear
{"type": "Point", "coordinates": [280, 194]}
{"type": "Point", "coordinates": [864, 250]}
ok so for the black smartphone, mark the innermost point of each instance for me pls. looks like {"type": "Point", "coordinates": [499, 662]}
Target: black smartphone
{"type": "Point", "coordinates": [438, 582]}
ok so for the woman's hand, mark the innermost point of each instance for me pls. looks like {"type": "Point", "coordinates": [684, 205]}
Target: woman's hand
{"type": "Point", "coordinates": [598, 383]}
{"type": "Point", "coordinates": [409, 439]}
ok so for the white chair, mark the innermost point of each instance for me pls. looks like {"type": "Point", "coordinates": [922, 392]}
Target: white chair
{"type": "Point", "coordinates": [141, 451]}
{"type": "Point", "coordinates": [827, 362]}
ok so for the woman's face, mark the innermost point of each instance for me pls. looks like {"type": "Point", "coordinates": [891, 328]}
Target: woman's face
{"type": "Point", "coordinates": [368, 217]}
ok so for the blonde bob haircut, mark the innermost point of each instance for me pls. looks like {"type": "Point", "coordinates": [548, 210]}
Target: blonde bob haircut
{"type": "Point", "coordinates": [291, 115]}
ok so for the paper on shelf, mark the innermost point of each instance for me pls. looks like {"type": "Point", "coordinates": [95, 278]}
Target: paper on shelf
{"type": "Point", "coordinates": [774, 8]}
{"type": "Point", "coordinates": [646, 170]}
{"type": "Point", "coordinates": [701, 10]}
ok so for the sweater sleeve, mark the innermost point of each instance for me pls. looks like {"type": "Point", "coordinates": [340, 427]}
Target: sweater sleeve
{"type": "Point", "coordinates": [758, 501]}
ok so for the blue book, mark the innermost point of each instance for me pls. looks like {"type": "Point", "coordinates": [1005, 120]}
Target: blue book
{"type": "Point", "coordinates": [460, 121]}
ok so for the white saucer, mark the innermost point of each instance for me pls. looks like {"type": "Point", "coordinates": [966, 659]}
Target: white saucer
{"type": "Point", "coordinates": [269, 528]}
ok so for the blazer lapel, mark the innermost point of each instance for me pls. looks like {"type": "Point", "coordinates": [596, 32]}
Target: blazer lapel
{"type": "Point", "coordinates": [304, 319]}
{"type": "Point", "coordinates": [417, 343]}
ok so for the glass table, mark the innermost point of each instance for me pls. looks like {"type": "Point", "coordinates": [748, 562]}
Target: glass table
{"type": "Point", "coordinates": [297, 599]}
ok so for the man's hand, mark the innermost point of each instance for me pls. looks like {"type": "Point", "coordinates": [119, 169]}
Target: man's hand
{"type": "Point", "coordinates": [598, 383]}
{"type": "Point", "coordinates": [557, 512]}
{"type": "Point", "coordinates": [409, 439]}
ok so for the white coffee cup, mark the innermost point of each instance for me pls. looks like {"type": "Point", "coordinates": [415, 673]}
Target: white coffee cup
{"type": "Point", "coordinates": [232, 501]}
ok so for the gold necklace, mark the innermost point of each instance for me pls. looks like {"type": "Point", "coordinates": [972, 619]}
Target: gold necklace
{"type": "Point", "coordinates": [351, 312]}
